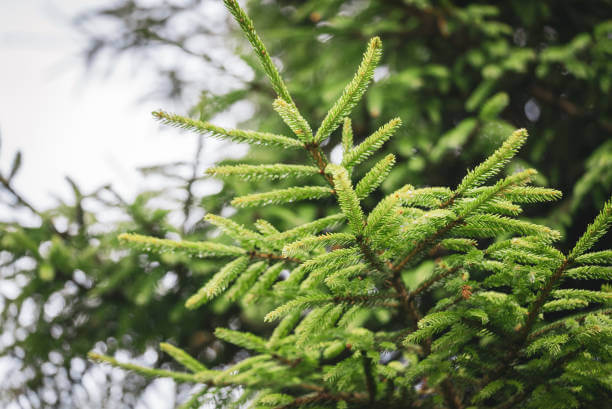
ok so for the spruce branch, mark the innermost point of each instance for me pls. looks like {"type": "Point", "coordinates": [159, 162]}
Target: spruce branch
{"type": "Point", "coordinates": [375, 176]}
{"type": "Point", "coordinates": [494, 163]}
{"type": "Point", "coordinates": [202, 249]}
{"type": "Point", "coordinates": [144, 371]}
{"type": "Point", "coordinates": [347, 198]}
{"type": "Point", "coordinates": [317, 299]}
{"type": "Point", "coordinates": [272, 256]}
{"type": "Point", "coordinates": [236, 135]}
{"type": "Point", "coordinates": [246, 280]}
{"type": "Point", "coordinates": [282, 196]}
{"type": "Point", "coordinates": [460, 218]}
{"type": "Point", "coordinates": [262, 172]}
{"type": "Point", "coordinates": [182, 357]}
{"type": "Point", "coordinates": [306, 229]}
{"type": "Point", "coordinates": [347, 136]}
{"type": "Point", "coordinates": [597, 257]}
{"type": "Point", "coordinates": [265, 227]}
{"type": "Point", "coordinates": [593, 233]}
{"type": "Point", "coordinates": [317, 242]}
{"type": "Point", "coordinates": [371, 144]}
{"type": "Point", "coordinates": [336, 278]}
{"type": "Point", "coordinates": [246, 24]}
{"type": "Point", "coordinates": [294, 120]}
{"type": "Point", "coordinates": [236, 231]}
{"type": "Point", "coordinates": [218, 283]}
{"type": "Point", "coordinates": [353, 91]}
{"type": "Point", "coordinates": [264, 283]}
{"type": "Point", "coordinates": [522, 194]}
{"type": "Point", "coordinates": [566, 322]}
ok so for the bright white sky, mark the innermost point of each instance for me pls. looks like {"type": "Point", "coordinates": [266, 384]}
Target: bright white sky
{"type": "Point", "coordinates": [92, 126]}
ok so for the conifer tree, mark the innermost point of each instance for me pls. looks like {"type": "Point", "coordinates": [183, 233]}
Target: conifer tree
{"type": "Point", "coordinates": [432, 297]}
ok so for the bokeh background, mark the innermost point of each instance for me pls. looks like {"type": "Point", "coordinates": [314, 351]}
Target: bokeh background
{"type": "Point", "coordinates": [82, 160]}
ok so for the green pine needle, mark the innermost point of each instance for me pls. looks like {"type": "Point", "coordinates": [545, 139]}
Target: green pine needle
{"type": "Point", "coordinates": [260, 172]}
{"type": "Point", "coordinates": [292, 194]}
{"type": "Point", "coordinates": [202, 249]}
{"type": "Point", "coordinates": [246, 24]}
{"type": "Point", "coordinates": [182, 357]}
{"type": "Point", "coordinates": [347, 136]}
{"type": "Point", "coordinates": [371, 144]}
{"type": "Point", "coordinates": [236, 231]}
{"type": "Point", "coordinates": [236, 135]}
{"type": "Point", "coordinates": [309, 244]}
{"type": "Point", "coordinates": [218, 283]}
{"type": "Point", "coordinates": [144, 371]}
{"type": "Point", "coordinates": [306, 229]}
{"type": "Point", "coordinates": [494, 163]}
{"type": "Point", "coordinates": [353, 91]}
{"type": "Point", "coordinates": [375, 176]}
{"type": "Point", "coordinates": [347, 198]}
{"type": "Point", "coordinates": [293, 119]}
{"type": "Point", "coordinates": [594, 231]}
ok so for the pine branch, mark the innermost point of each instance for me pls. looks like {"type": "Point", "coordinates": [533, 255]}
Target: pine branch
{"type": "Point", "coordinates": [246, 24]}
{"type": "Point", "coordinates": [375, 176]}
{"type": "Point", "coordinates": [353, 91]}
{"type": "Point", "coordinates": [272, 256]}
{"type": "Point", "coordinates": [262, 172]}
{"type": "Point", "coordinates": [347, 198]}
{"type": "Point", "coordinates": [236, 135]}
{"type": "Point", "coordinates": [294, 120]}
{"type": "Point", "coordinates": [593, 233]}
{"type": "Point", "coordinates": [347, 136]}
{"type": "Point", "coordinates": [282, 196]}
{"type": "Point", "coordinates": [218, 283]}
{"type": "Point", "coordinates": [371, 144]}
{"type": "Point", "coordinates": [148, 372]}
{"type": "Point", "coordinates": [202, 249]}
{"type": "Point", "coordinates": [494, 163]}
{"type": "Point", "coordinates": [183, 358]}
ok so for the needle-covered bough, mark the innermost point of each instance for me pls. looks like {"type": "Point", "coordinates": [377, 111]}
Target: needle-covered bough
{"type": "Point", "coordinates": [510, 321]}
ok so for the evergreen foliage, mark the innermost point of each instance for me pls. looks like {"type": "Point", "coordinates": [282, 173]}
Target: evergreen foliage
{"type": "Point", "coordinates": [431, 297]}
{"type": "Point", "coordinates": [461, 76]}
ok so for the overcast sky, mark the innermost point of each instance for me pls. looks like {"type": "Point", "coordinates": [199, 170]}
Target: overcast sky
{"type": "Point", "coordinates": [92, 126]}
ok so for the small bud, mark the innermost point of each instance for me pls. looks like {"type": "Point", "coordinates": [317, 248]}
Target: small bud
{"type": "Point", "coordinates": [466, 291]}
{"type": "Point", "coordinates": [315, 16]}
